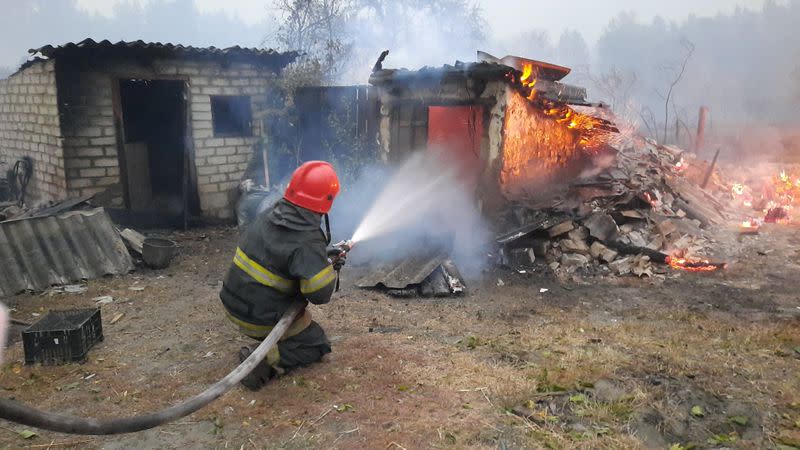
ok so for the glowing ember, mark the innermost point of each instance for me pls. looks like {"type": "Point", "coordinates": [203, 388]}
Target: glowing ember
{"type": "Point", "coordinates": [749, 226]}
{"type": "Point", "coordinates": [694, 265]}
{"type": "Point", "coordinates": [777, 214]}
{"type": "Point", "coordinates": [652, 199]}
{"type": "Point", "coordinates": [681, 165]}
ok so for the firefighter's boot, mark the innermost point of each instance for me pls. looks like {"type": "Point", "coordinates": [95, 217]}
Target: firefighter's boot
{"type": "Point", "coordinates": [260, 376]}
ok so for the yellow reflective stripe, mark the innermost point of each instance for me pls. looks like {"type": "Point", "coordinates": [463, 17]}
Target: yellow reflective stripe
{"type": "Point", "coordinates": [318, 281]}
{"type": "Point", "coordinates": [260, 273]}
{"type": "Point", "coordinates": [260, 331]}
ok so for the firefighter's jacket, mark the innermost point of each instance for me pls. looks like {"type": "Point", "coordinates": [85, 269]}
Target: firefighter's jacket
{"type": "Point", "coordinates": [281, 258]}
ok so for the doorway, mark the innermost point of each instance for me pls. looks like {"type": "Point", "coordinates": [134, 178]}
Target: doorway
{"type": "Point", "coordinates": [154, 157]}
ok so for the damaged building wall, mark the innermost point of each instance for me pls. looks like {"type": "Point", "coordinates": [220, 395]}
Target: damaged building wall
{"type": "Point", "coordinates": [87, 125]}
{"type": "Point", "coordinates": [29, 126]}
{"type": "Point", "coordinates": [404, 121]}
{"type": "Point", "coordinates": [88, 92]}
{"type": "Point", "coordinates": [537, 150]}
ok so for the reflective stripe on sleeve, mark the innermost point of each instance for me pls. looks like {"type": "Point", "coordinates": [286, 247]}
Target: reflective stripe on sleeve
{"type": "Point", "coordinates": [261, 274]}
{"type": "Point", "coordinates": [318, 281]}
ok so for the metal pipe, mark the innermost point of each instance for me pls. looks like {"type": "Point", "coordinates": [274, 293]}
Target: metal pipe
{"type": "Point", "coordinates": [25, 415]}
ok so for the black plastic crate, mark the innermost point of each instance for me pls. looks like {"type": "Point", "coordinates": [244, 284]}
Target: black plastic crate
{"type": "Point", "coordinates": [62, 336]}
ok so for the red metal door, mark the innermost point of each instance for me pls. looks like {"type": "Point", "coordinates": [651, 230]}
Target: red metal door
{"type": "Point", "coordinates": [455, 132]}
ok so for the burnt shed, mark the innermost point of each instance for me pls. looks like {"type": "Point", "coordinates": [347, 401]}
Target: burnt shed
{"type": "Point", "coordinates": [165, 129]}
{"type": "Point", "coordinates": [510, 126]}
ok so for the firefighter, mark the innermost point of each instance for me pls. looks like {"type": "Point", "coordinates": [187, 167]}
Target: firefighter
{"type": "Point", "coordinates": [282, 258]}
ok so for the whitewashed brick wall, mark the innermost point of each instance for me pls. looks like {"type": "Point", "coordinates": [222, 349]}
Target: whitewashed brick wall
{"type": "Point", "coordinates": [29, 126]}
{"type": "Point", "coordinates": [89, 137]}
{"type": "Point", "coordinates": [87, 124]}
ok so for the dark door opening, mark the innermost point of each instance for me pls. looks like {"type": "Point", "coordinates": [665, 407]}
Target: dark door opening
{"type": "Point", "coordinates": [154, 121]}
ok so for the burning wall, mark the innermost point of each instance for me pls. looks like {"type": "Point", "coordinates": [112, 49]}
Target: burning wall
{"type": "Point", "coordinates": [537, 150]}
{"type": "Point", "coordinates": [532, 136]}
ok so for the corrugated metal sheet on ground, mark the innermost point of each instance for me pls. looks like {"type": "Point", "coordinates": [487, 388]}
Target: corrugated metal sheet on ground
{"type": "Point", "coordinates": [410, 271]}
{"type": "Point", "coordinates": [45, 251]}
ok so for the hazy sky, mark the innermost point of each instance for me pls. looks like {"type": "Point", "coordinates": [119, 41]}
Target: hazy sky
{"type": "Point", "coordinates": [506, 18]}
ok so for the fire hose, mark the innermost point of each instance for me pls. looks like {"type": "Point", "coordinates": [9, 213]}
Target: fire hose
{"type": "Point", "coordinates": [25, 415]}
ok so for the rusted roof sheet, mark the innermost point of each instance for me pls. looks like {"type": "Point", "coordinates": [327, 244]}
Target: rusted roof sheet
{"type": "Point", "coordinates": [41, 252]}
{"type": "Point", "coordinates": [158, 49]}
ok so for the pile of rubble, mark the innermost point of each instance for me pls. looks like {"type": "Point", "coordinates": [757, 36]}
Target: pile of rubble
{"type": "Point", "coordinates": [643, 211]}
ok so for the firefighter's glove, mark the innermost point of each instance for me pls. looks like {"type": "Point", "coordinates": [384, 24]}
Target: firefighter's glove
{"type": "Point", "coordinates": [337, 258]}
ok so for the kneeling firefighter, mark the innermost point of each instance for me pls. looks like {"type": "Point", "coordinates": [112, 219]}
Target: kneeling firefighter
{"type": "Point", "coordinates": [283, 258]}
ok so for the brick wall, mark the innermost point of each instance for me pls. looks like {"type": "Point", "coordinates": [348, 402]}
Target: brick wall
{"type": "Point", "coordinates": [87, 124]}
{"type": "Point", "coordinates": [221, 161]}
{"type": "Point", "coordinates": [90, 148]}
{"type": "Point", "coordinates": [29, 126]}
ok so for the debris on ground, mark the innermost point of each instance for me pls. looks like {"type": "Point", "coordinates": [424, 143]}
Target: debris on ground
{"type": "Point", "coordinates": [133, 239]}
{"type": "Point", "coordinates": [428, 275]}
{"type": "Point", "coordinates": [638, 211]}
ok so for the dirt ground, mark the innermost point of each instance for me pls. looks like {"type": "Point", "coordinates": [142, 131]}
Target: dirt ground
{"type": "Point", "coordinates": [693, 360]}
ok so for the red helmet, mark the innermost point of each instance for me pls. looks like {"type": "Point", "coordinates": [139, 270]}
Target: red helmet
{"type": "Point", "coordinates": [313, 186]}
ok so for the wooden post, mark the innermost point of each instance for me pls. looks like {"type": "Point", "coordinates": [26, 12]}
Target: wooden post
{"type": "Point", "coordinates": [699, 140]}
{"type": "Point", "coordinates": [710, 170]}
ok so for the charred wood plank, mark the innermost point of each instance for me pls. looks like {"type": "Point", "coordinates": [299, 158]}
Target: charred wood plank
{"type": "Point", "coordinates": [627, 249]}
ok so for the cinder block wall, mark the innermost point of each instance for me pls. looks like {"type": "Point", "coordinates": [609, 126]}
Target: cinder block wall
{"type": "Point", "coordinates": [90, 150]}
{"type": "Point", "coordinates": [29, 126]}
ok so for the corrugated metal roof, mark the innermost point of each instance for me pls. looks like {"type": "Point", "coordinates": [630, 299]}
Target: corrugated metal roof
{"type": "Point", "coordinates": [41, 252]}
{"type": "Point", "coordinates": [153, 49]}
{"type": "Point", "coordinates": [410, 271]}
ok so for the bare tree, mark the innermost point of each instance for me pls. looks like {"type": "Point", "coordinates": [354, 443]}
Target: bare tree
{"type": "Point", "coordinates": [689, 47]}
{"type": "Point", "coordinates": [649, 120]}
{"type": "Point", "coordinates": [615, 86]}
{"type": "Point", "coordinates": [318, 29]}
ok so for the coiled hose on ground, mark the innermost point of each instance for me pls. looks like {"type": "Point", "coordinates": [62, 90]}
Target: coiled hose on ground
{"type": "Point", "coordinates": [23, 414]}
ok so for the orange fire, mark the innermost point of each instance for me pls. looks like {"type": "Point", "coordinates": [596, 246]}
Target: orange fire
{"type": "Point", "coordinates": [543, 139]}
{"type": "Point", "coordinates": [535, 147]}
{"type": "Point", "coordinates": [694, 265]}
{"type": "Point", "coordinates": [528, 80]}
{"type": "Point", "coordinates": [562, 113]}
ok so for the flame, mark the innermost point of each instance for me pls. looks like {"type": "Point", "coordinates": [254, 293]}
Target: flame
{"type": "Point", "coordinates": [528, 80]}
{"type": "Point", "coordinates": [695, 265]}
{"type": "Point", "coordinates": [543, 139]}
{"type": "Point", "coordinates": [535, 148]}
{"type": "Point", "coordinates": [653, 200]}
{"type": "Point", "coordinates": [749, 226]}
{"type": "Point", "coordinates": [737, 189]}
{"type": "Point", "coordinates": [681, 165]}
{"type": "Point", "coordinates": [749, 223]}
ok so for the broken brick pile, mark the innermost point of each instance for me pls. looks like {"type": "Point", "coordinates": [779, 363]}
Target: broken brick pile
{"type": "Point", "coordinates": [641, 208]}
